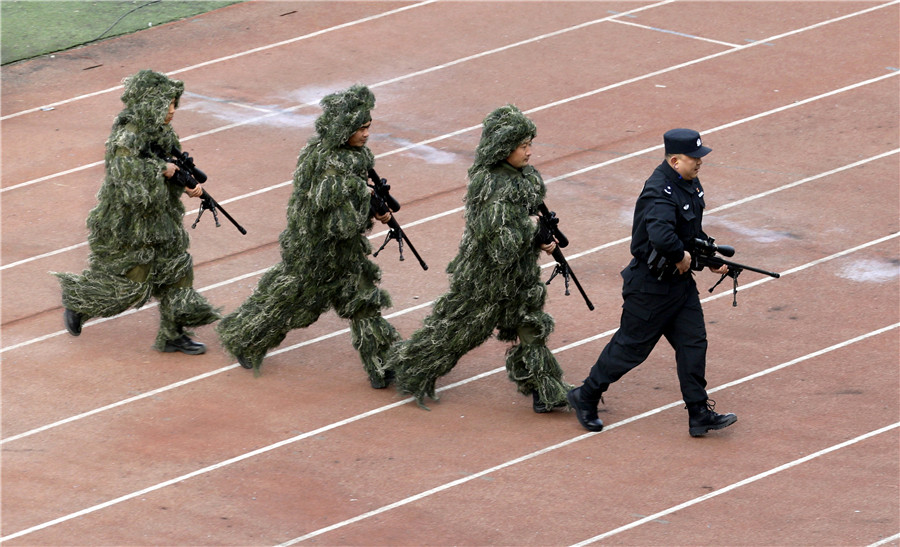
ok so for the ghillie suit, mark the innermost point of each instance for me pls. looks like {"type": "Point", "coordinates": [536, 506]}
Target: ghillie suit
{"type": "Point", "coordinates": [324, 250]}
{"type": "Point", "coordinates": [495, 279]}
{"type": "Point", "coordinates": [137, 237]}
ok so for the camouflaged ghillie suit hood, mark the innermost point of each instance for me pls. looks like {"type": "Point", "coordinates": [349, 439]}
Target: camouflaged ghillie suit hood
{"type": "Point", "coordinates": [324, 251]}
{"type": "Point", "coordinates": [147, 97]}
{"type": "Point", "coordinates": [503, 131]}
{"type": "Point", "coordinates": [342, 114]}
{"type": "Point", "coordinates": [137, 237]}
{"type": "Point", "coordinates": [495, 278]}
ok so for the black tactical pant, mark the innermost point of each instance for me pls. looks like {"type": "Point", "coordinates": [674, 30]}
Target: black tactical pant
{"type": "Point", "coordinates": [647, 315]}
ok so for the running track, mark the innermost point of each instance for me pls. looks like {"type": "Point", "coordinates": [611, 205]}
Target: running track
{"type": "Point", "coordinates": [106, 442]}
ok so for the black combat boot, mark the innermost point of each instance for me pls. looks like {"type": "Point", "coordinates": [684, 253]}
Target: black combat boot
{"type": "Point", "coordinates": [585, 411]}
{"type": "Point", "coordinates": [184, 345]}
{"type": "Point", "coordinates": [72, 320]}
{"type": "Point", "coordinates": [540, 408]}
{"type": "Point", "coordinates": [382, 382]}
{"type": "Point", "coordinates": [244, 362]}
{"type": "Point", "coordinates": [703, 418]}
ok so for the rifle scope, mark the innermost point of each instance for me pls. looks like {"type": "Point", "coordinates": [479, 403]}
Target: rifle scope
{"type": "Point", "coordinates": [708, 248]}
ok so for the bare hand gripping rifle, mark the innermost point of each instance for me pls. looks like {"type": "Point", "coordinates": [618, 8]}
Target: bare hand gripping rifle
{"type": "Point", "coordinates": [549, 232]}
{"type": "Point", "coordinates": [703, 254]}
{"type": "Point", "coordinates": [383, 202]}
{"type": "Point", "coordinates": [189, 175]}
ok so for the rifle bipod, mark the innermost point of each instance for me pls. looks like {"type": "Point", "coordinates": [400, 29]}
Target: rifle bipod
{"type": "Point", "coordinates": [561, 269]}
{"type": "Point", "coordinates": [732, 273]}
{"type": "Point", "coordinates": [207, 202]}
{"type": "Point", "coordinates": [392, 234]}
{"type": "Point", "coordinates": [204, 205]}
{"type": "Point", "coordinates": [396, 232]}
{"type": "Point", "coordinates": [383, 202]}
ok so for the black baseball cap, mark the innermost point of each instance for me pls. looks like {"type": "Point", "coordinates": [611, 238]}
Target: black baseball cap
{"type": "Point", "coordinates": [685, 141]}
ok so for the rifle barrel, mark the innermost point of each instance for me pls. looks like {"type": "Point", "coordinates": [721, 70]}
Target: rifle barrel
{"type": "Point", "coordinates": [737, 265]}
{"type": "Point", "coordinates": [222, 210]}
{"type": "Point", "coordinates": [561, 260]}
{"type": "Point", "coordinates": [394, 225]}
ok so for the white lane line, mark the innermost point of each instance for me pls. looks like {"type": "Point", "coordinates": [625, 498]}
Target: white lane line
{"type": "Point", "coordinates": [667, 31]}
{"type": "Point", "coordinates": [51, 176]}
{"type": "Point", "coordinates": [459, 209]}
{"type": "Point", "coordinates": [734, 486]}
{"type": "Point", "coordinates": [467, 129]}
{"type": "Point", "coordinates": [885, 541]}
{"type": "Point", "coordinates": [569, 346]}
{"type": "Point", "coordinates": [577, 343]}
{"type": "Point", "coordinates": [563, 444]}
{"type": "Point", "coordinates": [396, 314]}
{"type": "Point", "coordinates": [712, 56]}
{"type": "Point", "coordinates": [571, 174]}
{"type": "Point", "coordinates": [421, 495]}
{"type": "Point", "coordinates": [527, 41]}
{"type": "Point", "coordinates": [536, 109]}
{"type": "Point", "coordinates": [315, 103]}
{"type": "Point", "coordinates": [741, 121]}
{"type": "Point", "coordinates": [230, 57]}
{"type": "Point", "coordinates": [191, 380]}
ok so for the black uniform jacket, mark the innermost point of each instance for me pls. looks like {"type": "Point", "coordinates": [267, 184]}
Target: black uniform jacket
{"type": "Point", "coordinates": [668, 215]}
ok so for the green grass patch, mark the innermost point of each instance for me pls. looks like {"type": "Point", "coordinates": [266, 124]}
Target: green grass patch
{"type": "Point", "coordinates": [30, 28]}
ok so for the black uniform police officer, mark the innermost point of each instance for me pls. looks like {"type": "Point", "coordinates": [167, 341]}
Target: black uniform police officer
{"type": "Point", "coordinates": [667, 216]}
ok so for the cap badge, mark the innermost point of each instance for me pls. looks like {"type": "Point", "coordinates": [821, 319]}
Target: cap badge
{"type": "Point", "coordinates": [699, 143]}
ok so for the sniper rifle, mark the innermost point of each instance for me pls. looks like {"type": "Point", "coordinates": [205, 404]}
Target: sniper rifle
{"type": "Point", "coordinates": [704, 254]}
{"type": "Point", "coordinates": [188, 175]}
{"type": "Point", "coordinates": [383, 202]}
{"type": "Point", "coordinates": [549, 232]}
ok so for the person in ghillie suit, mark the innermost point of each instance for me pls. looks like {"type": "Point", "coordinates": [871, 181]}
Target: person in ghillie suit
{"type": "Point", "coordinates": [324, 250]}
{"type": "Point", "coordinates": [137, 238]}
{"type": "Point", "coordinates": [495, 278]}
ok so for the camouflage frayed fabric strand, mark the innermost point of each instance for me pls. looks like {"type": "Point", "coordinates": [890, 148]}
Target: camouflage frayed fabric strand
{"type": "Point", "coordinates": [324, 252]}
{"type": "Point", "coordinates": [181, 307]}
{"type": "Point", "coordinates": [372, 337]}
{"type": "Point", "coordinates": [137, 224]}
{"type": "Point", "coordinates": [494, 278]}
{"type": "Point", "coordinates": [531, 365]}
{"type": "Point", "coordinates": [95, 294]}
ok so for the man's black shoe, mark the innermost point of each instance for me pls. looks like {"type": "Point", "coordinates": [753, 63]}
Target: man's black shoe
{"type": "Point", "coordinates": [703, 418]}
{"type": "Point", "coordinates": [184, 345]}
{"type": "Point", "coordinates": [383, 382]}
{"type": "Point", "coordinates": [244, 362]}
{"type": "Point", "coordinates": [585, 412]}
{"type": "Point", "coordinates": [72, 319]}
{"type": "Point", "coordinates": [540, 408]}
